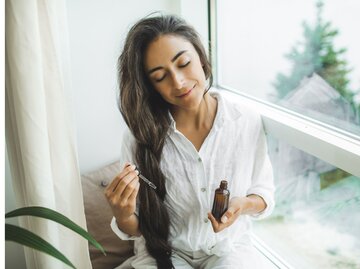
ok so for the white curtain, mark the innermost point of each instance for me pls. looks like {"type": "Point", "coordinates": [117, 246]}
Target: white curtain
{"type": "Point", "coordinates": [40, 134]}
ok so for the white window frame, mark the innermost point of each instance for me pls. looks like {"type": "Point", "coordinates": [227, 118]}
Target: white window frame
{"type": "Point", "coordinates": [326, 142]}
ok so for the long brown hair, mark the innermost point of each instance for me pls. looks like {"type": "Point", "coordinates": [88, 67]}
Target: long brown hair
{"type": "Point", "coordinates": [147, 115]}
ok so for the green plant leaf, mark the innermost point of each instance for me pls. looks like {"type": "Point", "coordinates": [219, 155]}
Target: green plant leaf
{"type": "Point", "coordinates": [29, 239]}
{"type": "Point", "coordinates": [47, 213]}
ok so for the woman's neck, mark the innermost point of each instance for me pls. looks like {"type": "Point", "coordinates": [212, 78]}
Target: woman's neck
{"type": "Point", "coordinates": [197, 119]}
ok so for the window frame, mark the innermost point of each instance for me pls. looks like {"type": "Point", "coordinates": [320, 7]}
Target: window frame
{"type": "Point", "coordinates": [328, 143]}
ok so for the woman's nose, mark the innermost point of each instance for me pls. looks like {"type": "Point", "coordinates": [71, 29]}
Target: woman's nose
{"type": "Point", "coordinates": [178, 80]}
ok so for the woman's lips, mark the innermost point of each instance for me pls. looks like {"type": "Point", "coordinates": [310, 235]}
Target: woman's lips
{"type": "Point", "coordinates": [187, 93]}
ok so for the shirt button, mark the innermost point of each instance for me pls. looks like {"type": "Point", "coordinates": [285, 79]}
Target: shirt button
{"type": "Point", "coordinates": [104, 183]}
{"type": "Point", "coordinates": [203, 189]}
{"type": "Point", "coordinates": [206, 220]}
{"type": "Point", "coordinates": [199, 159]}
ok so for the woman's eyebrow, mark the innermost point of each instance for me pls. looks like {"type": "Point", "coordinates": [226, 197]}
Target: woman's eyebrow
{"type": "Point", "coordinates": [172, 60]}
{"type": "Point", "coordinates": [178, 55]}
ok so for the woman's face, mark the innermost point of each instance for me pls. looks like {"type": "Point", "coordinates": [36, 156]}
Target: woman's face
{"type": "Point", "coordinates": [175, 70]}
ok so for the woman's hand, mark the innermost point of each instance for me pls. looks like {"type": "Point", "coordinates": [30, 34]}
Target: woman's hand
{"type": "Point", "coordinates": [122, 191]}
{"type": "Point", "coordinates": [236, 206]}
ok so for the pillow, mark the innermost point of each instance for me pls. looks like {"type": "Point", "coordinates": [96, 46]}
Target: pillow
{"type": "Point", "coordinates": [98, 217]}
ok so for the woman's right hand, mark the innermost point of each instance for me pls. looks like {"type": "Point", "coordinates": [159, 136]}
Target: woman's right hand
{"type": "Point", "coordinates": [121, 193]}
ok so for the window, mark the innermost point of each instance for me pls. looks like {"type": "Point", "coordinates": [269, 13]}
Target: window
{"type": "Point", "coordinates": [313, 126]}
{"type": "Point", "coordinates": [301, 55]}
{"type": "Point", "coordinates": [316, 220]}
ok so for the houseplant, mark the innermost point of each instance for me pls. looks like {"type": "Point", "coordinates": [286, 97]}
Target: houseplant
{"type": "Point", "coordinates": [25, 237]}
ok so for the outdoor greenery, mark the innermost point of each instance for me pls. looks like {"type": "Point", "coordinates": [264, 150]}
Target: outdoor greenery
{"type": "Point", "coordinates": [317, 54]}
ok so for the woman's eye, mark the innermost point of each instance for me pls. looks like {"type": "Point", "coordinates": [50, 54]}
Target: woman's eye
{"type": "Point", "coordinates": [160, 79]}
{"type": "Point", "coordinates": [183, 65]}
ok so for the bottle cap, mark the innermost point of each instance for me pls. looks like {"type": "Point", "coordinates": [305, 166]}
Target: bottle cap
{"type": "Point", "coordinates": [223, 184]}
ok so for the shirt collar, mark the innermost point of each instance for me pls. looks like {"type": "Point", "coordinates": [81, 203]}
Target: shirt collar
{"type": "Point", "coordinates": [172, 122]}
{"type": "Point", "coordinates": [226, 112]}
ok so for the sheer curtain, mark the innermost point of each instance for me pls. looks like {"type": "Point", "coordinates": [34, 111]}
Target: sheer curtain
{"type": "Point", "coordinates": [40, 135]}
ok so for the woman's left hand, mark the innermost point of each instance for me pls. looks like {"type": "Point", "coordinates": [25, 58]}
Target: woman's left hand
{"type": "Point", "coordinates": [229, 217]}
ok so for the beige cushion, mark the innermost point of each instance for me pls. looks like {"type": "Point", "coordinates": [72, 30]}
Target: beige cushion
{"type": "Point", "coordinates": [98, 217]}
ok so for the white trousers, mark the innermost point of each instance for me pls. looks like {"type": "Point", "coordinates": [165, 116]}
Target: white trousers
{"type": "Point", "coordinates": [244, 257]}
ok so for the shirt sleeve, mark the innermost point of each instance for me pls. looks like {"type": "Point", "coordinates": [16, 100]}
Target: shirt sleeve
{"type": "Point", "coordinates": [127, 154]}
{"type": "Point", "coordinates": [262, 182]}
{"type": "Point", "coordinates": [119, 233]}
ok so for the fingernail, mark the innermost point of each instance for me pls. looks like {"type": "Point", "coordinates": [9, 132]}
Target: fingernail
{"type": "Point", "coordinates": [224, 219]}
{"type": "Point", "coordinates": [133, 167]}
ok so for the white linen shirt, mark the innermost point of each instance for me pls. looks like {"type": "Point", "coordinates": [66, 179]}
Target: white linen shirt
{"type": "Point", "coordinates": [235, 150]}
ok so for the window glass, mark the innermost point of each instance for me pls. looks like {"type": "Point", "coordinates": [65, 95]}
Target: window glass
{"type": "Point", "coordinates": [302, 55]}
{"type": "Point", "coordinates": [316, 221]}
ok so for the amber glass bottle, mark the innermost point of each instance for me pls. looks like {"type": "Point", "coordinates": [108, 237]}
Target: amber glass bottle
{"type": "Point", "coordinates": [221, 200]}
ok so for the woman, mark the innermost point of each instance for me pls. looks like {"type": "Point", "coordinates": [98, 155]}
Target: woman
{"type": "Point", "coordinates": [185, 139]}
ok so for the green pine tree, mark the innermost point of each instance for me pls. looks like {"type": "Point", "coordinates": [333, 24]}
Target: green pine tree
{"type": "Point", "coordinates": [317, 54]}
